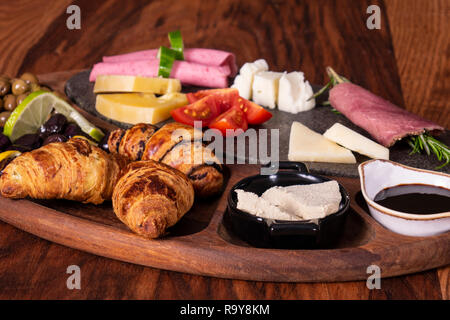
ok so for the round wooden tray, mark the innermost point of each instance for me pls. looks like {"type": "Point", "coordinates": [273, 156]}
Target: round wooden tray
{"type": "Point", "coordinates": [200, 244]}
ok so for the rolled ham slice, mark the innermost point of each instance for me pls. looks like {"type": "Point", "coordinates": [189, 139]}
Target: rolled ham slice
{"type": "Point", "coordinates": [209, 57]}
{"type": "Point", "coordinates": [187, 72]}
{"type": "Point", "coordinates": [385, 122]}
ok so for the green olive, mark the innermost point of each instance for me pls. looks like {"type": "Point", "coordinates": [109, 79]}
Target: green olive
{"type": "Point", "coordinates": [19, 86]}
{"type": "Point", "coordinates": [45, 88]}
{"type": "Point", "coordinates": [35, 87]}
{"type": "Point", "coordinates": [4, 117]}
{"type": "Point", "coordinates": [9, 102]}
{"type": "Point", "coordinates": [60, 95]}
{"type": "Point", "coordinates": [29, 78]}
{"type": "Point", "coordinates": [21, 97]}
{"type": "Point", "coordinates": [5, 87]}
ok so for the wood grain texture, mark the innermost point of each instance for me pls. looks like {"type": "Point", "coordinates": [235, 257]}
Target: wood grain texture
{"type": "Point", "coordinates": [422, 48]}
{"type": "Point", "coordinates": [444, 280]}
{"type": "Point", "coordinates": [201, 244]}
{"type": "Point", "coordinates": [306, 35]}
{"type": "Point", "coordinates": [36, 269]}
{"type": "Point", "coordinates": [22, 27]}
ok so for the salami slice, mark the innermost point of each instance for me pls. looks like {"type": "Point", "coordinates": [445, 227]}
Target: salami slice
{"type": "Point", "coordinates": [385, 122]}
{"type": "Point", "coordinates": [187, 72]}
{"type": "Point", "coordinates": [209, 57]}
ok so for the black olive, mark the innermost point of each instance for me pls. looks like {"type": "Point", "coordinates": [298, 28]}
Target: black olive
{"type": "Point", "coordinates": [32, 141]}
{"type": "Point", "coordinates": [103, 144]}
{"type": "Point", "coordinates": [72, 129]}
{"type": "Point", "coordinates": [43, 135]}
{"type": "Point", "coordinates": [54, 138]}
{"type": "Point", "coordinates": [19, 148]}
{"type": "Point", "coordinates": [4, 142]}
{"type": "Point", "coordinates": [55, 124]}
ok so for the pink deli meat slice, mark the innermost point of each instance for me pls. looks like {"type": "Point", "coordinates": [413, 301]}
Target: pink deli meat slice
{"type": "Point", "coordinates": [187, 72]}
{"type": "Point", "coordinates": [385, 122]}
{"type": "Point", "coordinates": [209, 57]}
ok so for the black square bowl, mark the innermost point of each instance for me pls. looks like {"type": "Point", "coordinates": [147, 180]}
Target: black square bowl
{"type": "Point", "coordinates": [269, 233]}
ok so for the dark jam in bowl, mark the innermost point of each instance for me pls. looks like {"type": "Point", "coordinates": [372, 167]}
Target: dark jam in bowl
{"type": "Point", "coordinates": [415, 199]}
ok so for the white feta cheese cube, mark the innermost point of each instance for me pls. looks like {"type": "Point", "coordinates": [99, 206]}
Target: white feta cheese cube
{"type": "Point", "coordinates": [244, 86]}
{"type": "Point", "coordinates": [265, 88]}
{"type": "Point", "coordinates": [294, 92]}
{"type": "Point", "coordinates": [243, 82]}
{"type": "Point", "coordinates": [252, 68]}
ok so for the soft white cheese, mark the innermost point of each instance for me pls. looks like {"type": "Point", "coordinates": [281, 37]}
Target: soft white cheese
{"type": "Point", "coordinates": [265, 88]}
{"type": "Point", "coordinates": [252, 68]}
{"type": "Point", "coordinates": [311, 201]}
{"type": "Point", "coordinates": [244, 81]}
{"type": "Point", "coordinates": [253, 204]}
{"type": "Point", "coordinates": [297, 202]}
{"type": "Point", "coordinates": [294, 92]}
{"type": "Point", "coordinates": [308, 145]}
{"type": "Point", "coordinates": [354, 141]}
{"type": "Point", "coordinates": [244, 86]}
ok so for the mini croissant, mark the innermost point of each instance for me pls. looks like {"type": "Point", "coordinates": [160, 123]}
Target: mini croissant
{"type": "Point", "coordinates": [175, 144]}
{"type": "Point", "coordinates": [151, 196]}
{"type": "Point", "coordinates": [73, 170]}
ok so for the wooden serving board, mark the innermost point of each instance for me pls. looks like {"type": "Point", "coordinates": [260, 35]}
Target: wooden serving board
{"type": "Point", "coordinates": [319, 119]}
{"type": "Point", "coordinates": [200, 244]}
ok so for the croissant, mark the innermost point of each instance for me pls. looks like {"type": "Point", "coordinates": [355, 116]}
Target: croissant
{"type": "Point", "coordinates": [74, 170]}
{"type": "Point", "coordinates": [151, 196]}
{"type": "Point", "coordinates": [175, 144]}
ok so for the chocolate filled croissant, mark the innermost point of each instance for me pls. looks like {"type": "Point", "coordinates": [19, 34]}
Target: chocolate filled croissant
{"type": "Point", "coordinates": [151, 196]}
{"type": "Point", "coordinates": [73, 170]}
{"type": "Point", "coordinates": [177, 145]}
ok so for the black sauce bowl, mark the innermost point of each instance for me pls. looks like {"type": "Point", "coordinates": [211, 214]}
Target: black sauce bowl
{"type": "Point", "coordinates": [268, 233]}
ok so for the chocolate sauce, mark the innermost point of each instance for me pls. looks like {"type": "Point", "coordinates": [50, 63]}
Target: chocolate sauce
{"type": "Point", "coordinates": [415, 198]}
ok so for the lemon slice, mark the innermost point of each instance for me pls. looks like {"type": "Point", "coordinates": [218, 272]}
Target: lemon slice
{"type": "Point", "coordinates": [29, 115]}
{"type": "Point", "coordinates": [9, 154]}
{"type": "Point", "coordinates": [34, 111]}
{"type": "Point", "coordinates": [84, 124]}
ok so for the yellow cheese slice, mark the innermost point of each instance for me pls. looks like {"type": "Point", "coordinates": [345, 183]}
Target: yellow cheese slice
{"type": "Point", "coordinates": [139, 107]}
{"type": "Point", "coordinates": [116, 83]}
{"type": "Point", "coordinates": [308, 145]}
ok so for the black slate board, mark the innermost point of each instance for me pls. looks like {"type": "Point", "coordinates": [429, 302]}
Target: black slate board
{"type": "Point", "coordinates": [80, 90]}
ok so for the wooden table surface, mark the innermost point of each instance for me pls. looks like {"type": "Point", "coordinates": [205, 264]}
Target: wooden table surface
{"type": "Point", "coordinates": [406, 61]}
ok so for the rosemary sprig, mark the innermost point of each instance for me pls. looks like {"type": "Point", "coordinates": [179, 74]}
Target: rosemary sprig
{"type": "Point", "coordinates": [327, 103]}
{"type": "Point", "coordinates": [318, 93]}
{"type": "Point", "coordinates": [334, 79]}
{"type": "Point", "coordinates": [425, 142]}
{"type": "Point", "coordinates": [335, 111]}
